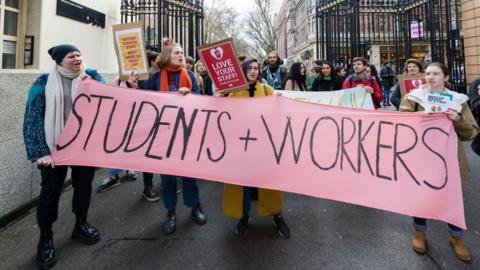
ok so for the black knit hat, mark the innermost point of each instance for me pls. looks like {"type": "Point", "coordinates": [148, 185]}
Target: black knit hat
{"type": "Point", "coordinates": [58, 52]}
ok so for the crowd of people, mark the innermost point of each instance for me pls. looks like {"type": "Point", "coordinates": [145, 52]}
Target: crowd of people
{"type": "Point", "coordinates": [50, 102]}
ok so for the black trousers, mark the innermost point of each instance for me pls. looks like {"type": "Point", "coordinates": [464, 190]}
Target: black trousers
{"type": "Point", "coordinates": [52, 185]}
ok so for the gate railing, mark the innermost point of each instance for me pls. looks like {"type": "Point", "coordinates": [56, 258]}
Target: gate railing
{"type": "Point", "coordinates": [181, 20]}
{"type": "Point", "coordinates": [349, 28]}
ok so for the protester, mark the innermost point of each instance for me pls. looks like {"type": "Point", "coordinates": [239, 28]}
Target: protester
{"type": "Point", "coordinates": [236, 201]}
{"type": "Point", "coordinates": [242, 58]}
{"type": "Point", "coordinates": [359, 79]}
{"type": "Point", "coordinates": [436, 74]}
{"type": "Point", "coordinates": [152, 58]}
{"type": "Point", "coordinates": [173, 77]}
{"type": "Point", "coordinates": [341, 73]}
{"type": "Point", "coordinates": [413, 67]}
{"type": "Point", "coordinates": [201, 71]}
{"type": "Point", "coordinates": [313, 75]}
{"type": "Point", "coordinates": [474, 95]}
{"type": "Point", "coordinates": [296, 78]}
{"type": "Point", "coordinates": [372, 73]}
{"type": "Point", "coordinates": [388, 79]}
{"type": "Point", "coordinates": [190, 64]}
{"type": "Point", "coordinates": [49, 103]}
{"type": "Point", "coordinates": [328, 80]}
{"type": "Point", "coordinates": [273, 72]}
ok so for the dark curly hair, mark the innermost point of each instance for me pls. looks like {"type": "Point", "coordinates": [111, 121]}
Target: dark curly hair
{"type": "Point", "coordinates": [295, 75]}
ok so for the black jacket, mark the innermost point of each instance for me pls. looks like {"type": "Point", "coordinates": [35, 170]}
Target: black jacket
{"type": "Point", "coordinates": [320, 84]}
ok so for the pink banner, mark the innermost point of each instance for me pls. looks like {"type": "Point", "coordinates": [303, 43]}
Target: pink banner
{"type": "Point", "coordinates": [400, 162]}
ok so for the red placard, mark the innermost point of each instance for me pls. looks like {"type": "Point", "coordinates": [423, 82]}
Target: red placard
{"type": "Point", "coordinates": [222, 65]}
{"type": "Point", "coordinates": [410, 82]}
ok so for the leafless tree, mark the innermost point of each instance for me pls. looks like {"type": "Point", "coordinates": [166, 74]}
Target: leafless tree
{"type": "Point", "coordinates": [260, 27]}
{"type": "Point", "coordinates": [223, 22]}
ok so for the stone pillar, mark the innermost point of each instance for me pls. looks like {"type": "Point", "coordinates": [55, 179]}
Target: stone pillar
{"type": "Point", "coordinates": [375, 56]}
{"type": "Point", "coordinates": [471, 29]}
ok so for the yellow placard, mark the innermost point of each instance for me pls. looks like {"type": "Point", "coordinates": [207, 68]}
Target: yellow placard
{"type": "Point", "coordinates": [131, 51]}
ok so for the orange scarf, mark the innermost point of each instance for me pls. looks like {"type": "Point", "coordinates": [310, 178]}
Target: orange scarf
{"type": "Point", "coordinates": [184, 80]}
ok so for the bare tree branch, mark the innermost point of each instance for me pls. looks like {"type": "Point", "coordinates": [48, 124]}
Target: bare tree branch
{"type": "Point", "coordinates": [260, 27]}
{"type": "Point", "coordinates": [222, 22]}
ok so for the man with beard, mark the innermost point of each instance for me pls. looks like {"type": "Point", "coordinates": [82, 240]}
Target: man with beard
{"type": "Point", "coordinates": [273, 73]}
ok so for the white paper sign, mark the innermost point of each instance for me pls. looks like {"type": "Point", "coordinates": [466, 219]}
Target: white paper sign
{"type": "Point", "coordinates": [438, 102]}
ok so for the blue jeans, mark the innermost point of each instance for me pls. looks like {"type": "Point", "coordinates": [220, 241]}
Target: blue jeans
{"type": "Point", "coordinates": [421, 225]}
{"type": "Point", "coordinates": [247, 198]}
{"type": "Point", "coordinates": [169, 191]}
{"type": "Point", "coordinates": [114, 171]}
{"type": "Point", "coordinates": [386, 94]}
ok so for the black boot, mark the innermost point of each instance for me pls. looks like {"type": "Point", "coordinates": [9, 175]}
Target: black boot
{"type": "Point", "coordinates": [169, 226]}
{"type": "Point", "coordinates": [280, 226]}
{"type": "Point", "coordinates": [46, 258]}
{"type": "Point", "coordinates": [242, 226]}
{"type": "Point", "coordinates": [84, 231]}
{"type": "Point", "coordinates": [198, 216]}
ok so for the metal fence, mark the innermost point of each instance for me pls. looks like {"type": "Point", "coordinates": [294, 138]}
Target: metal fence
{"type": "Point", "coordinates": [181, 20]}
{"type": "Point", "coordinates": [429, 30]}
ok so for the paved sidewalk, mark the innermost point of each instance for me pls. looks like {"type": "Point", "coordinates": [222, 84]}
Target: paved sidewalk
{"type": "Point", "coordinates": [325, 235]}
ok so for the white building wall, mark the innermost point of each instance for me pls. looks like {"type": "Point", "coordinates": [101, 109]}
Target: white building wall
{"type": "Point", "coordinates": [95, 43]}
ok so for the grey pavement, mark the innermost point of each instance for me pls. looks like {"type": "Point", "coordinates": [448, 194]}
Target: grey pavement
{"type": "Point", "coordinates": [325, 235]}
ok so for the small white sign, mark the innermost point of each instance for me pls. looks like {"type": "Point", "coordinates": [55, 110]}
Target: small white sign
{"type": "Point", "coordinates": [438, 102]}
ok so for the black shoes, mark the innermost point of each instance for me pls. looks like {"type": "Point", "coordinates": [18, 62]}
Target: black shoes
{"type": "Point", "coordinates": [198, 215]}
{"type": "Point", "coordinates": [169, 226]}
{"type": "Point", "coordinates": [280, 226]}
{"type": "Point", "coordinates": [108, 183]}
{"type": "Point", "coordinates": [132, 176]}
{"type": "Point", "coordinates": [150, 195]}
{"type": "Point", "coordinates": [46, 258]}
{"type": "Point", "coordinates": [88, 234]}
{"type": "Point", "coordinates": [242, 226]}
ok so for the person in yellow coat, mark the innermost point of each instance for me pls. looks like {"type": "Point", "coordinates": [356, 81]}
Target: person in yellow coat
{"type": "Point", "coordinates": [236, 199]}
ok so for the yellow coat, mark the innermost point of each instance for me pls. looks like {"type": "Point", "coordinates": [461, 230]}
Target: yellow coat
{"type": "Point", "coordinates": [466, 128]}
{"type": "Point", "coordinates": [269, 201]}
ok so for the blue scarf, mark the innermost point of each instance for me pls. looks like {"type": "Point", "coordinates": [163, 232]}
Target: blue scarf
{"type": "Point", "coordinates": [274, 79]}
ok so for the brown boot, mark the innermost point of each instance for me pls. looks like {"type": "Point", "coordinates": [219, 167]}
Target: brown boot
{"type": "Point", "coordinates": [419, 241]}
{"type": "Point", "coordinates": [459, 248]}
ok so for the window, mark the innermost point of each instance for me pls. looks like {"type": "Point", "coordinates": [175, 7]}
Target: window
{"type": "Point", "coordinates": [9, 19]}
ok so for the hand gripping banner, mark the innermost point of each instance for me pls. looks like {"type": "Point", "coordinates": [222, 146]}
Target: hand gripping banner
{"type": "Point", "coordinates": [400, 162]}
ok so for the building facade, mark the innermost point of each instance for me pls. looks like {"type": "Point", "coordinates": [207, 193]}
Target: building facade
{"type": "Point", "coordinates": [31, 27]}
{"type": "Point", "coordinates": [471, 34]}
{"type": "Point", "coordinates": [295, 25]}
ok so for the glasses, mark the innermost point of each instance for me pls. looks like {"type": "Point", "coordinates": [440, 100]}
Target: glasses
{"type": "Point", "coordinates": [253, 68]}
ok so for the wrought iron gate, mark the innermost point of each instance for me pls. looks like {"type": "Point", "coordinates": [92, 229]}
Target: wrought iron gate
{"type": "Point", "coordinates": [349, 28]}
{"type": "Point", "coordinates": [181, 20]}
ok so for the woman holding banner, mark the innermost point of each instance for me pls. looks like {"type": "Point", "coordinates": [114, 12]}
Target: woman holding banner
{"type": "Point", "coordinates": [173, 77]}
{"type": "Point", "coordinates": [413, 67]}
{"type": "Point", "coordinates": [49, 103]}
{"type": "Point", "coordinates": [236, 199]}
{"type": "Point", "coordinates": [466, 128]}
